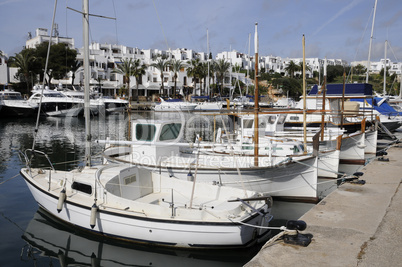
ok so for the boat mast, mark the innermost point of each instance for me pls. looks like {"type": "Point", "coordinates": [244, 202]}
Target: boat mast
{"type": "Point", "coordinates": [248, 63]}
{"type": "Point", "coordinates": [324, 89]}
{"type": "Point", "coordinates": [85, 23]}
{"type": "Point", "coordinates": [384, 91]}
{"type": "Point", "coordinates": [400, 87]}
{"type": "Point", "coordinates": [256, 97]}
{"type": "Point", "coordinates": [304, 97]}
{"type": "Point", "coordinates": [371, 40]}
{"type": "Point", "coordinates": [208, 90]}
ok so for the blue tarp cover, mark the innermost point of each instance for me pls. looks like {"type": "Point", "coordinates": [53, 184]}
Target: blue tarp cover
{"type": "Point", "coordinates": [200, 97]}
{"type": "Point", "coordinates": [384, 108]}
{"type": "Point", "coordinates": [356, 89]}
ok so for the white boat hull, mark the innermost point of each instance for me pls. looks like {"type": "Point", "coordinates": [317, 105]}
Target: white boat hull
{"type": "Point", "coordinates": [352, 157]}
{"type": "Point", "coordinates": [142, 227]}
{"type": "Point", "coordinates": [289, 180]}
{"type": "Point", "coordinates": [328, 164]}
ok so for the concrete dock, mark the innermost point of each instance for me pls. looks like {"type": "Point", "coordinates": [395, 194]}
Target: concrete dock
{"type": "Point", "coordinates": [355, 225]}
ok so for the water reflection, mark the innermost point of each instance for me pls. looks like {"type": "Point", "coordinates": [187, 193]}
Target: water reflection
{"type": "Point", "coordinates": [48, 241]}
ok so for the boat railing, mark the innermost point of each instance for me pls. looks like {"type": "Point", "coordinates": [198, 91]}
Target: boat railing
{"type": "Point", "coordinates": [29, 155]}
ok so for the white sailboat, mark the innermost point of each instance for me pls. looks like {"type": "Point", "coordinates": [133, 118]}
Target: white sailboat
{"type": "Point", "coordinates": [130, 203]}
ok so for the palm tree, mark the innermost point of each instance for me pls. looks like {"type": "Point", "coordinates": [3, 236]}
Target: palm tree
{"type": "Point", "coordinates": [291, 68]}
{"type": "Point", "coordinates": [23, 61]}
{"type": "Point", "coordinates": [161, 64]}
{"type": "Point", "coordinates": [203, 73]}
{"type": "Point", "coordinates": [176, 65]}
{"type": "Point", "coordinates": [360, 69]}
{"type": "Point", "coordinates": [212, 71]}
{"type": "Point", "coordinates": [139, 70]}
{"type": "Point", "coordinates": [300, 68]}
{"type": "Point", "coordinates": [193, 70]}
{"type": "Point", "coordinates": [221, 67]}
{"type": "Point", "coordinates": [126, 69]}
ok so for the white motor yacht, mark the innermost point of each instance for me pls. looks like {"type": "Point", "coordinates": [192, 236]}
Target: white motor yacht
{"type": "Point", "coordinates": [13, 105]}
{"type": "Point", "coordinates": [56, 104]}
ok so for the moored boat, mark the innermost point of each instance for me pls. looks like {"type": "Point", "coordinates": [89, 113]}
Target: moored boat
{"type": "Point", "coordinates": [55, 104]}
{"type": "Point", "coordinates": [156, 146]}
{"type": "Point", "coordinates": [13, 105]}
{"type": "Point", "coordinates": [174, 105]}
{"type": "Point", "coordinates": [135, 204]}
{"type": "Point", "coordinates": [129, 203]}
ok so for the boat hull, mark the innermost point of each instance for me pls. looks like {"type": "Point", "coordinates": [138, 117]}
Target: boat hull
{"type": "Point", "coordinates": [295, 179]}
{"type": "Point", "coordinates": [15, 111]}
{"type": "Point", "coordinates": [352, 157]}
{"type": "Point", "coordinates": [142, 228]}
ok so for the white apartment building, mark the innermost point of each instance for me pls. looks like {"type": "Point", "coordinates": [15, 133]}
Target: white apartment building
{"type": "Point", "coordinates": [377, 66]}
{"type": "Point", "coordinates": [41, 35]}
{"type": "Point", "coordinates": [3, 70]}
{"type": "Point", "coordinates": [104, 57]}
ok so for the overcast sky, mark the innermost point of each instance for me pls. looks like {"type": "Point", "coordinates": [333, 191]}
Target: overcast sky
{"type": "Point", "coordinates": [333, 28]}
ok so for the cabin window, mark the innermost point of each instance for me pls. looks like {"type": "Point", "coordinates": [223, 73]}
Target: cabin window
{"type": "Point", "coordinates": [130, 179]}
{"type": "Point", "coordinates": [282, 118]}
{"type": "Point", "coordinates": [170, 131]}
{"type": "Point", "coordinates": [248, 124]}
{"type": "Point", "coordinates": [297, 149]}
{"type": "Point", "coordinates": [87, 189]}
{"type": "Point", "coordinates": [294, 118]}
{"type": "Point", "coordinates": [145, 132]}
{"type": "Point", "coordinates": [271, 119]}
{"type": "Point", "coordinates": [274, 148]}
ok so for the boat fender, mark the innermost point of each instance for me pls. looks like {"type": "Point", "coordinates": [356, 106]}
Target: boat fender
{"type": "Point", "coordinates": [190, 176]}
{"type": "Point", "coordinates": [62, 198]}
{"type": "Point", "coordinates": [94, 209]}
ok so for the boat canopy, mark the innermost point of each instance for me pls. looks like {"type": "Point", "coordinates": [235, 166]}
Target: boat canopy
{"type": "Point", "coordinates": [355, 89]}
{"type": "Point", "coordinates": [380, 105]}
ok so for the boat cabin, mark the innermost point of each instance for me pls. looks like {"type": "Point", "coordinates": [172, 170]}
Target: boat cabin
{"type": "Point", "coordinates": [156, 139]}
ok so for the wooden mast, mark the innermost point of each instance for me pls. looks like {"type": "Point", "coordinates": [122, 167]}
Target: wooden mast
{"type": "Point", "coordinates": [324, 89]}
{"type": "Point", "coordinates": [304, 97]}
{"type": "Point", "coordinates": [256, 97]}
{"type": "Point", "coordinates": [384, 90]}
{"type": "Point", "coordinates": [343, 98]}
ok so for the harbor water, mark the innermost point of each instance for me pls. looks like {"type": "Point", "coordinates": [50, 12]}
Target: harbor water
{"type": "Point", "coordinates": [31, 238]}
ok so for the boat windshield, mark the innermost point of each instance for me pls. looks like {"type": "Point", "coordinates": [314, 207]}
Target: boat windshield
{"type": "Point", "coordinates": [170, 131]}
{"type": "Point", "coordinates": [53, 94]}
{"type": "Point", "coordinates": [248, 124]}
{"type": "Point", "coordinates": [145, 132]}
{"type": "Point", "coordinates": [12, 96]}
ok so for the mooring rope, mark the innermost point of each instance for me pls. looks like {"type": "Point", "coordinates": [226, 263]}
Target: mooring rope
{"type": "Point", "coordinates": [9, 179]}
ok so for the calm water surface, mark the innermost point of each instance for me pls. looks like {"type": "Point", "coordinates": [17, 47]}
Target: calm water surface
{"type": "Point", "coordinates": [30, 238]}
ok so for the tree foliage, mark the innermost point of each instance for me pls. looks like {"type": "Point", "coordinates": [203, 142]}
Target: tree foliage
{"type": "Point", "coordinates": [31, 63]}
{"type": "Point", "coordinates": [291, 85]}
{"type": "Point", "coordinates": [61, 59]}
